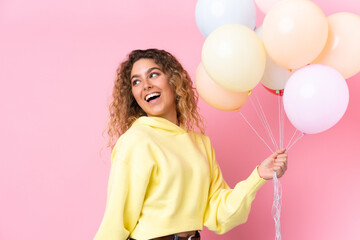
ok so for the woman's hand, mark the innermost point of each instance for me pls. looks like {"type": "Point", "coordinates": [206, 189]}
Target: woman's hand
{"type": "Point", "coordinates": [275, 162]}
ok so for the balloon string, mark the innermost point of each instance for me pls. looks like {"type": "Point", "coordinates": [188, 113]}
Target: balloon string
{"type": "Point", "coordinates": [256, 132]}
{"type": "Point", "coordinates": [261, 118]}
{"type": "Point", "coordinates": [276, 207]}
{"type": "Point", "coordinates": [265, 122]}
{"type": "Point", "coordinates": [297, 139]}
{"type": "Point", "coordinates": [281, 120]}
{"type": "Point", "coordinates": [279, 105]}
{"type": "Point", "coordinates": [291, 138]}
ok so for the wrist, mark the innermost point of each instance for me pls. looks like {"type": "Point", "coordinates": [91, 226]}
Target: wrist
{"type": "Point", "coordinates": [259, 173]}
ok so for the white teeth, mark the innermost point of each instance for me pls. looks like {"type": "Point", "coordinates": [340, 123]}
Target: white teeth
{"type": "Point", "coordinates": [147, 97]}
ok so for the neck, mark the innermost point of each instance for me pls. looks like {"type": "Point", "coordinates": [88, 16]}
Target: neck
{"type": "Point", "coordinates": [171, 116]}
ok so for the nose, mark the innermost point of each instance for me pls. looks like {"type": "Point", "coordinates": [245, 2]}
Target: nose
{"type": "Point", "coordinates": [147, 85]}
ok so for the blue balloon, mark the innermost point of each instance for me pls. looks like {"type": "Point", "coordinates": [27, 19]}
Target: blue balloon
{"type": "Point", "coordinates": [211, 14]}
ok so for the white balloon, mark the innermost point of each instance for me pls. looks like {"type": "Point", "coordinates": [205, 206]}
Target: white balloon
{"type": "Point", "coordinates": [211, 14]}
{"type": "Point", "coordinates": [315, 98]}
{"type": "Point", "coordinates": [275, 77]}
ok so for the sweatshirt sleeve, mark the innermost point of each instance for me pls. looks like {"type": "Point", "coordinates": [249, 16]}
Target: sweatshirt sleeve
{"type": "Point", "coordinates": [227, 207]}
{"type": "Point", "coordinates": [129, 176]}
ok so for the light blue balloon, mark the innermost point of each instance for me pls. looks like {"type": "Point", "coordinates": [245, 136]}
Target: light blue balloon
{"type": "Point", "coordinates": [211, 14]}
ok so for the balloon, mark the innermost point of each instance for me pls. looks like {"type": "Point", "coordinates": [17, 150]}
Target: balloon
{"type": "Point", "coordinates": [265, 5]}
{"type": "Point", "coordinates": [234, 57]}
{"type": "Point", "coordinates": [211, 14]}
{"type": "Point", "coordinates": [342, 50]}
{"type": "Point", "coordinates": [216, 96]}
{"type": "Point", "coordinates": [275, 77]}
{"type": "Point", "coordinates": [294, 33]}
{"type": "Point", "coordinates": [315, 98]}
{"type": "Point", "coordinates": [275, 92]}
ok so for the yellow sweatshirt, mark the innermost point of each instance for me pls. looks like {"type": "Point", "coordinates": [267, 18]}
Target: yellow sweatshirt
{"type": "Point", "coordinates": [165, 180]}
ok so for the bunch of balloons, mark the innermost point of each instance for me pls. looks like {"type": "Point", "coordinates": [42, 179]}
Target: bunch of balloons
{"type": "Point", "coordinates": [297, 49]}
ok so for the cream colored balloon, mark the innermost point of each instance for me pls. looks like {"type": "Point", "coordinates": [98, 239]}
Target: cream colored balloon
{"type": "Point", "coordinates": [294, 33]}
{"type": "Point", "coordinates": [234, 57]}
{"type": "Point", "coordinates": [216, 96]}
{"type": "Point", "coordinates": [342, 50]}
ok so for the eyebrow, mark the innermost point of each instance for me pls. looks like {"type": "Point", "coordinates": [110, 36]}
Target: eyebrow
{"type": "Point", "coordinates": [147, 72]}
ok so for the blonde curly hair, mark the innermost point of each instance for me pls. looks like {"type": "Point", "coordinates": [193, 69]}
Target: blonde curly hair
{"type": "Point", "coordinates": [124, 109]}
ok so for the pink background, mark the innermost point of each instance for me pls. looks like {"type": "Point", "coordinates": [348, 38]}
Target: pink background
{"type": "Point", "coordinates": [57, 63]}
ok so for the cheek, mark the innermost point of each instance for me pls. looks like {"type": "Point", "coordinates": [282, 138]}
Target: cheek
{"type": "Point", "coordinates": [133, 91]}
{"type": "Point", "coordinates": [172, 92]}
{"type": "Point", "coordinates": [170, 89]}
{"type": "Point", "coordinates": [135, 94]}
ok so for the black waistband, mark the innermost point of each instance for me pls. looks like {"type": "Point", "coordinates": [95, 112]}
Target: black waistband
{"type": "Point", "coordinates": [176, 237]}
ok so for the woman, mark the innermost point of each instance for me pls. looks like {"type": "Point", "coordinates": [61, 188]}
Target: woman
{"type": "Point", "coordinates": [164, 180]}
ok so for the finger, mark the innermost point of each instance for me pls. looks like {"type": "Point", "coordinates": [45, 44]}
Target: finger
{"type": "Point", "coordinates": [284, 167]}
{"type": "Point", "coordinates": [276, 153]}
{"type": "Point", "coordinates": [281, 150]}
{"type": "Point", "coordinates": [281, 160]}
{"type": "Point", "coordinates": [282, 156]}
{"type": "Point", "coordinates": [277, 168]}
{"type": "Point", "coordinates": [283, 170]}
{"type": "Point", "coordinates": [281, 166]}
{"type": "Point", "coordinates": [278, 171]}
{"type": "Point", "coordinates": [273, 155]}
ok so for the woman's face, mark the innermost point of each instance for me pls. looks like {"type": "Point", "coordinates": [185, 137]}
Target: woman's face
{"type": "Point", "coordinates": [152, 91]}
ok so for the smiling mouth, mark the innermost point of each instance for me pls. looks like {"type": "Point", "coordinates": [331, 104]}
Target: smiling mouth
{"type": "Point", "coordinates": [152, 96]}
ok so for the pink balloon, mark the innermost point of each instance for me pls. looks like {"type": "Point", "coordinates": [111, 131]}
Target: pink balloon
{"type": "Point", "coordinates": [315, 98]}
{"type": "Point", "coordinates": [216, 96]}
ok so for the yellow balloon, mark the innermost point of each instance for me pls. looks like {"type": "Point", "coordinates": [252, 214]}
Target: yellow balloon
{"type": "Point", "coordinates": [294, 33]}
{"type": "Point", "coordinates": [234, 57]}
{"type": "Point", "coordinates": [216, 96]}
{"type": "Point", "coordinates": [342, 50]}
